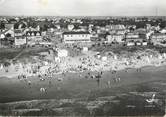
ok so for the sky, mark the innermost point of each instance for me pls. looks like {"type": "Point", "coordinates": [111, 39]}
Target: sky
{"type": "Point", "coordinates": [83, 7]}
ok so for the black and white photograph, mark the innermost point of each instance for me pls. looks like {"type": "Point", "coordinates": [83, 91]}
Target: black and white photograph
{"type": "Point", "coordinates": [83, 58]}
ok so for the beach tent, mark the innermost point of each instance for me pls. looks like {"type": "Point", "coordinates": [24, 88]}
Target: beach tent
{"type": "Point", "coordinates": [115, 57]}
{"type": "Point", "coordinates": [127, 62]}
{"type": "Point", "coordinates": [62, 53]}
{"type": "Point", "coordinates": [98, 56]}
{"type": "Point", "coordinates": [145, 43]}
{"type": "Point", "coordinates": [45, 63]}
{"type": "Point", "coordinates": [151, 56]}
{"type": "Point", "coordinates": [1, 66]}
{"type": "Point", "coordinates": [104, 58]}
{"type": "Point", "coordinates": [85, 49]}
{"type": "Point", "coordinates": [160, 57]}
{"type": "Point", "coordinates": [148, 60]}
{"type": "Point", "coordinates": [57, 59]}
{"type": "Point", "coordinates": [164, 55]}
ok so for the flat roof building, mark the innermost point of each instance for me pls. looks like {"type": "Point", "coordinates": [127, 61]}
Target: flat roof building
{"type": "Point", "coordinates": [76, 37]}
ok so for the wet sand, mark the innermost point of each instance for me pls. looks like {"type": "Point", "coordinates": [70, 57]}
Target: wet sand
{"type": "Point", "coordinates": [74, 86]}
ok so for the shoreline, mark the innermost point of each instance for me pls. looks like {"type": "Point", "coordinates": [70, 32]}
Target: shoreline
{"type": "Point", "coordinates": [75, 72]}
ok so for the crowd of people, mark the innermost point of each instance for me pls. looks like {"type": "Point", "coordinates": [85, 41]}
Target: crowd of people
{"type": "Point", "coordinates": [89, 66]}
{"type": "Point", "coordinates": [86, 62]}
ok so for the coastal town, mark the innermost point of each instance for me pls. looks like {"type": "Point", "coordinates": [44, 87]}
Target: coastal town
{"type": "Point", "coordinates": [88, 62]}
{"type": "Point", "coordinates": [82, 44]}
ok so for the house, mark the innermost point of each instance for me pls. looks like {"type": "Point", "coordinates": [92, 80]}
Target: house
{"type": "Point", "coordinates": [18, 32]}
{"type": "Point", "coordinates": [70, 27]}
{"type": "Point", "coordinates": [142, 33]}
{"type": "Point", "coordinates": [33, 37]}
{"type": "Point", "coordinates": [120, 31]}
{"type": "Point", "coordinates": [9, 26]}
{"type": "Point", "coordinates": [7, 37]}
{"type": "Point", "coordinates": [58, 26]}
{"type": "Point", "coordinates": [19, 38]}
{"type": "Point", "coordinates": [13, 21]}
{"type": "Point", "coordinates": [132, 35]}
{"type": "Point", "coordinates": [158, 38]}
{"type": "Point", "coordinates": [115, 27]}
{"type": "Point", "coordinates": [76, 37]}
{"type": "Point", "coordinates": [112, 31]}
{"type": "Point", "coordinates": [115, 38]}
{"type": "Point", "coordinates": [9, 33]}
{"type": "Point", "coordinates": [2, 35]}
{"type": "Point", "coordinates": [163, 31]}
{"type": "Point", "coordinates": [134, 39]}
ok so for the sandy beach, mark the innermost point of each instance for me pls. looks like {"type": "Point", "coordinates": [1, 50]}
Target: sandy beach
{"type": "Point", "coordinates": [89, 80]}
{"type": "Point", "coordinates": [74, 85]}
{"type": "Point", "coordinates": [78, 88]}
{"type": "Point", "coordinates": [88, 62]}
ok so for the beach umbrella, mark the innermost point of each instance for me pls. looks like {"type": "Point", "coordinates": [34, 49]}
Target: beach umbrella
{"type": "Point", "coordinates": [148, 60]}
{"type": "Point", "coordinates": [104, 58]}
{"type": "Point", "coordinates": [109, 83]}
{"type": "Point", "coordinates": [115, 57]}
{"type": "Point", "coordinates": [1, 66]}
{"type": "Point", "coordinates": [164, 55]}
{"type": "Point", "coordinates": [127, 62]}
{"type": "Point", "coordinates": [160, 57]}
{"type": "Point", "coordinates": [151, 56]}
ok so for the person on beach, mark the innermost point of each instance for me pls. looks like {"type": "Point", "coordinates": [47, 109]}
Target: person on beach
{"type": "Point", "coordinates": [114, 72]}
{"type": "Point", "coordinates": [86, 77]}
{"type": "Point", "coordinates": [92, 76]}
{"type": "Point", "coordinates": [19, 77]}
{"type": "Point", "coordinates": [42, 90]}
{"type": "Point", "coordinates": [101, 73]}
{"type": "Point", "coordinates": [98, 79]}
{"type": "Point", "coordinates": [89, 73]}
{"type": "Point", "coordinates": [116, 80]}
{"type": "Point", "coordinates": [29, 82]}
{"type": "Point", "coordinates": [98, 82]}
{"type": "Point", "coordinates": [119, 79]}
{"type": "Point", "coordinates": [49, 83]}
{"type": "Point", "coordinates": [60, 79]}
{"type": "Point", "coordinates": [126, 70]}
{"type": "Point", "coordinates": [139, 70]}
{"type": "Point", "coordinates": [109, 83]}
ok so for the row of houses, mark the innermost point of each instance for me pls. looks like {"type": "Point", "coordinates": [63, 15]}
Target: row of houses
{"type": "Point", "coordinates": [21, 37]}
{"type": "Point", "coordinates": [129, 39]}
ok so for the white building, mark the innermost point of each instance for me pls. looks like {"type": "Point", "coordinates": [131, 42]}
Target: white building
{"type": "Point", "coordinates": [20, 40]}
{"type": "Point", "coordinates": [76, 37]}
{"type": "Point", "coordinates": [158, 38]}
{"type": "Point", "coordinates": [33, 37]}
{"type": "Point", "coordinates": [2, 36]}
{"type": "Point", "coordinates": [115, 38]}
{"type": "Point", "coordinates": [62, 53]}
{"type": "Point", "coordinates": [70, 27]}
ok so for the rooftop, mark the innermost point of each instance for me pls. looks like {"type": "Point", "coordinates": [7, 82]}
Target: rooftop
{"type": "Point", "coordinates": [159, 34]}
{"type": "Point", "coordinates": [17, 31]}
{"type": "Point", "coordinates": [80, 32]}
